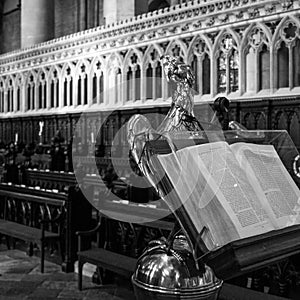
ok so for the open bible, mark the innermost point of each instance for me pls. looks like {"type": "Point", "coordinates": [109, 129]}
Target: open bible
{"type": "Point", "coordinates": [233, 191]}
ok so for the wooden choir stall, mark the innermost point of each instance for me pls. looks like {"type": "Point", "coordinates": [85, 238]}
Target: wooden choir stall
{"type": "Point", "coordinates": [69, 217]}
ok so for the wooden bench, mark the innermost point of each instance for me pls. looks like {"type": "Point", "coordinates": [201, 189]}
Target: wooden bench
{"type": "Point", "coordinates": [30, 234]}
{"type": "Point", "coordinates": [27, 206]}
{"type": "Point", "coordinates": [108, 259]}
{"type": "Point", "coordinates": [99, 165]}
{"type": "Point", "coordinates": [31, 215]}
{"type": "Point", "coordinates": [41, 161]}
{"type": "Point", "coordinates": [1, 171]}
{"type": "Point", "coordinates": [115, 262]}
{"type": "Point", "coordinates": [46, 179]}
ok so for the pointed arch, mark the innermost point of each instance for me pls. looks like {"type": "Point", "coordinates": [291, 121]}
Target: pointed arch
{"type": "Point", "coordinates": [81, 81]}
{"type": "Point", "coordinates": [181, 45]}
{"type": "Point", "coordinates": [80, 63]}
{"type": "Point", "coordinates": [194, 42]}
{"type": "Point", "coordinates": [286, 46]}
{"type": "Point", "coordinates": [259, 25]}
{"type": "Point", "coordinates": [199, 58]}
{"type": "Point", "coordinates": [114, 61]}
{"type": "Point", "coordinates": [133, 70]}
{"type": "Point", "coordinates": [30, 83]}
{"type": "Point", "coordinates": [42, 87]}
{"type": "Point", "coordinates": [126, 61]}
{"type": "Point", "coordinates": [276, 35]}
{"type": "Point", "coordinates": [176, 47]}
{"type": "Point", "coordinates": [19, 79]}
{"type": "Point", "coordinates": [115, 79]}
{"type": "Point", "coordinates": [94, 63]}
{"type": "Point", "coordinates": [10, 88]}
{"type": "Point", "coordinates": [145, 59]}
{"type": "Point", "coordinates": [52, 69]}
{"type": "Point", "coordinates": [255, 57]}
{"type": "Point", "coordinates": [40, 71]}
{"type": "Point", "coordinates": [97, 78]}
{"type": "Point", "coordinates": [31, 73]}
{"type": "Point", "coordinates": [54, 81]}
{"type": "Point", "coordinates": [220, 36]}
{"type": "Point", "coordinates": [281, 120]}
{"type": "Point", "coordinates": [10, 80]}
{"type": "Point", "coordinates": [66, 66]}
{"type": "Point", "coordinates": [67, 82]}
{"type": "Point", "coordinates": [2, 84]}
{"type": "Point", "coordinates": [153, 72]}
{"type": "Point", "coordinates": [226, 53]}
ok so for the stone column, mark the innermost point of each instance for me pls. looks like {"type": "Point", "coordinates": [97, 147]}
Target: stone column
{"type": "Point", "coordinates": [37, 21]}
{"type": "Point", "coordinates": [15, 100]}
{"type": "Point", "coordinates": [291, 67]}
{"type": "Point", "coordinates": [143, 84]}
{"type": "Point", "coordinates": [213, 75]}
{"type": "Point", "coordinates": [273, 70]}
{"type": "Point", "coordinates": [82, 14]}
{"type": "Point", "coordinates": [141, 7]}
{"type": "Point", "coordinates": [5, 101]}
{"type": "Point", "coordinates": [115, 10]}
{"type": "Point", "coordinates": [174, 2]}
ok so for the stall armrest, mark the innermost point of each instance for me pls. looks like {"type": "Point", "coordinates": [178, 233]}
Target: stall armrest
{"type": "Point", "coordinates": [58, 219]}
{"type": "Point", "coordinates": [81, 234]}
{"type": "Point", "coordinates": [89, 232]}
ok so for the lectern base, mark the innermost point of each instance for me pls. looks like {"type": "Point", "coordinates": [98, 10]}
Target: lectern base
{"type": "Point", "coordinates": [145, 292]}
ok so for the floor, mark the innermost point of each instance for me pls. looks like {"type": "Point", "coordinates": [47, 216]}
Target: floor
{"type": "Point", "coordinates": [20, 278]}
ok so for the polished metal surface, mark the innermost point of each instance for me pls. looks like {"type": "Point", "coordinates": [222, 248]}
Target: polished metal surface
{"type": "Point", "coordinates": [167, 269]}
{"type": "Point", "coordinates": [163, 271]}
{"type": "Point", "coordinates": [180, 116]}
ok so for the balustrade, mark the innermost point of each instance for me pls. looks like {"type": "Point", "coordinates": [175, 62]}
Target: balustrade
{"type": "Point", "coordinates": [240, 49]}
{"type": "Point", "coordinates": [112, 66]}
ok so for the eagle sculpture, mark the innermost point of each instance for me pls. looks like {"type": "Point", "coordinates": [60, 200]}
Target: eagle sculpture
{"type": "Point", "coordinates": [180, 116]}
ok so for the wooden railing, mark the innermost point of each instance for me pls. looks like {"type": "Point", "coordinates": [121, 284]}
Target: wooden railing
{"type": "Point", "coordinates": [28, 205]}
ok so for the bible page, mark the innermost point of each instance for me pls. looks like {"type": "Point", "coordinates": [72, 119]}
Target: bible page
{"type": "Point", "coordinates": [215, 192]}
{"type": "Point", "coordinates": [266, 170]}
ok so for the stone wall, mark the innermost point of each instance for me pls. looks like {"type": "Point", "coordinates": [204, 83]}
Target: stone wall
{"type": "Point", "coordinates": [272, 114]}
{"type": "Point", "coordinates": [66, 17]}
{"type": "Point", "coordinates": [11, 33]}
{"type": "Point", "coordinates": [117, 67]}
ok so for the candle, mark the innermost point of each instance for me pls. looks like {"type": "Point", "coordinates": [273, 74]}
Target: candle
{"type": "Point", "coordinates": [16, 138]}
{"type": "Point", "coordinates": [92, 137]}
{"type": "Point", "coordinates": [41, 123]}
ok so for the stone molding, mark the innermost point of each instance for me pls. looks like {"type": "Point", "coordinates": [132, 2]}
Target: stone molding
{"type": "Point", "coordinates": [112, 47]}
{"type": "Point", "coordinates": [186, 19]}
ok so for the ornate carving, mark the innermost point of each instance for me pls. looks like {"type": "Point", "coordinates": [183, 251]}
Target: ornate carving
{"type": "Point", "coordinates": [257, 37]}
{"type": "Point", "coordinates": [162, 18]}
{"type": "Point", "coordinates": [286, 4]}
{"type": "Point", "coordinates": [290, 31]}
{"type": "Point", "coordinates": [211, 8]}
{"type": "Point", "coordinates": [151, 35]}
{"type": "Point", "coordinates": [197, 24]}
{"type": "Point", "coordinates": [253, 12]}
{"type": "Point", "coordinates": [211, 21]}
{"type": "Point", "coordinates": [186, 27]}
{"type": "Point", "coordinates": [189, 19]}
{"type": "Point", "coordinates": [200, 48]}
{"type": "Point", "coordinates": [223, 18]}
{"type": "Point", "coordinates": [226, 43]}
{"type": "Point", "coordinates": [161, 32]}
{"type": "Point", "coordinates": [273, 25]}
{"type": "Point", "coordinates": [239, 15]}
{"type": "Point", "coordinates": [196, 12]}
{"type": "Point", "coordinates": [173, 29]}
{"type": "Point", "coordinates": [270, 8]}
